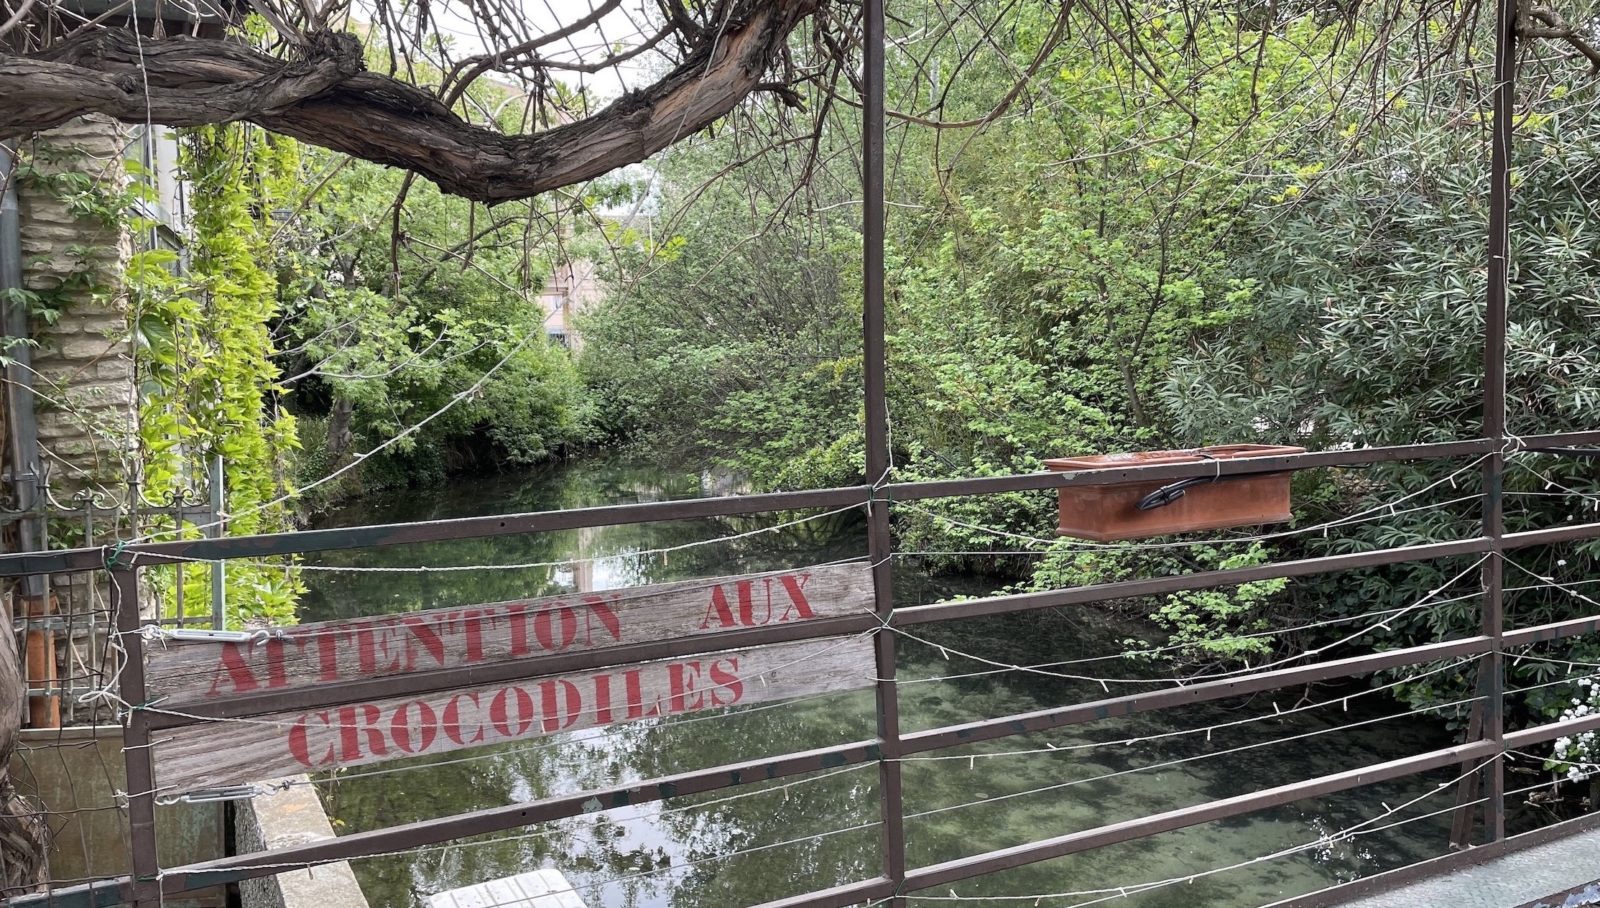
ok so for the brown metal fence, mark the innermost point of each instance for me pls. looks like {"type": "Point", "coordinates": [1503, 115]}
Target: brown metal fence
{"type": "Point", "coordinates": [64, 617]}
{"type": "Point", "coordinates": [1488, 740]}
{"type": "Point", "coordinates": [151, 883]}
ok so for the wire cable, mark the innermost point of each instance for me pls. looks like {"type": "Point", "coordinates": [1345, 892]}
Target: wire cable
{"type": "Point", "coordinates": [1366, 827]}
{"type": "Point", "coordinates": [1207, 730]}
{"type": "Point", "coordinates": [1254, 745]}
{"type": "Point", "coordinates": [1104, 682]}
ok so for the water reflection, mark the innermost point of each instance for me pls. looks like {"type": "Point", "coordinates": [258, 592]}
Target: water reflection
{"type": "Point", "coordinates": [813, 832]}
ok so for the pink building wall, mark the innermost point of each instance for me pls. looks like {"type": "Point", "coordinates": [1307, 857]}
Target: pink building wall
{"type": "Point", "coordinates": [572, 289]}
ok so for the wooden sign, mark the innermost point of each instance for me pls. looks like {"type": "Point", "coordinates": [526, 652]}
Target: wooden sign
{"type": "Point", "coordinates": [267, 747]}
{"type": "Point", "coordinates": [334, 651]}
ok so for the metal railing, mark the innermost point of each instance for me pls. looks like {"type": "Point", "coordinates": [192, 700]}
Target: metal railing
{"type": "Point", "coordinates": [150, 882]}
{"type": "Point", "coordinates": [1488, 743]}
{"type": "Point", "coordinates": [63, 618]}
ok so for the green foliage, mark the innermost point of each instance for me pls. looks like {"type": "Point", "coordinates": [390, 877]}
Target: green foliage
{"type": "Point", "coordinates": [62, 173]}
{"type": "Point", "coordinates": [207, 378]}
{"type": "Point", "coordinates": [1212, 621]}
{"type": "Point", "coordinates": [1044, 277]}
{"type": "Point", "coordinates": [412, 323]}
{"type": "Point", "coordinates": [738, 336]}
{"type": "Point", "coordinates": [1370, 330]}
{"type": "Point", "coordinates": [1203, 626]}
{"type": "Point", "coordinates": [383, 331]}
{"type": "Point", "coordinates": [1197, 252]}
{"type": "Point", "coordinates": [203, 354]}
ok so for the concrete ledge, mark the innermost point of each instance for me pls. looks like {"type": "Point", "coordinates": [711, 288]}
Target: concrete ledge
{"type": "Point", "coordinates": [293, 817]}
{"type": "Point", "coordinates": [1521, 879]}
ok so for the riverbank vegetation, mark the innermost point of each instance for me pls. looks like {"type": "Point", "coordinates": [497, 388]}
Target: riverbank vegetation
{"type": "Point", "coordinates": [382, 329]}
{"type": "Point", "coordinates": [1247, 227]}
{"type": "Point", "coordinates": [1112, 227]}
{"type": "Point", "coordinates": [1222, 242]}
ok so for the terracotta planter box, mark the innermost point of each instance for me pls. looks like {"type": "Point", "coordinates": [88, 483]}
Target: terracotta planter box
{"type": "Point", "coordinates": [1107, 513]}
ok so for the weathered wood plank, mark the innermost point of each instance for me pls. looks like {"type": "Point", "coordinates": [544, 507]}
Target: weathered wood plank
{"type": "Point", "coordinates": [233, 752]}
{"type": "Point", "coordinates": [334, 651]}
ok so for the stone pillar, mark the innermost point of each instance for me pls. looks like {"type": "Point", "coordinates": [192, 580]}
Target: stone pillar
{"type": "Point", "coordinates": [76, 247]}
{"type": "Point", "coordinates": [87, 404]}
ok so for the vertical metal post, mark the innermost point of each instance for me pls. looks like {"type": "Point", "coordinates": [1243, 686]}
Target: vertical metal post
{"type": "Point", "coordinates": [19, 395]}
{"type": "Point", "coordinates": [136, 742]}
{"type": "Point", "coordinates": [880, 544]}
{"type": "Point", "coordinates": [1492, 669]}
{"type": "Point", "coordinates": [1467, 789]}
{"type": "Point", "coordinates": [215, 529]}
{"type": "Point", "coordinates": [44, 709]}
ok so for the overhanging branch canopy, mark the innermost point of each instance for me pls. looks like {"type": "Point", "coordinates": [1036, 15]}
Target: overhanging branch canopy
{"type": "Point", "coordinates": [324, 94]}
{"type": "Point", "coordinates": [312, 79]}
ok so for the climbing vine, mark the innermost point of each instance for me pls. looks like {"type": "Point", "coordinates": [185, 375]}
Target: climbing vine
{"type": "Point", "coordinates": [207, 383]}
{"type": "Point", "coordinates": [198, 321]}
{"type": "Point", "coordinates": [86, 198]}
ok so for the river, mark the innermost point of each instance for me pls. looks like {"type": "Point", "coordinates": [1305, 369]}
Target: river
{"type": "Point", "coordinates": [754, 844]}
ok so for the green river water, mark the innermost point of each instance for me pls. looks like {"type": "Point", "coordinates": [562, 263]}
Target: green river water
{"type": "Point", "coordinates": [769, 842]}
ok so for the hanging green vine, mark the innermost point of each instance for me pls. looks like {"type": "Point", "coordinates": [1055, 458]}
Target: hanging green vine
{"type": "Point", "coordinates": [208, 385]}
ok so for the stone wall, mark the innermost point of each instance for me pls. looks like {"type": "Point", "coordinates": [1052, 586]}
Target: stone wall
{"type": "Point", "coordinates": [85, 389]}
{"type": "Point", "coordinates": [84, 361]}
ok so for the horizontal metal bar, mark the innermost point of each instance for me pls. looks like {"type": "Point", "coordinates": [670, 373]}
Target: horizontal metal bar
{"type": "Point", "coordinates": [99, 894]}
{"type": "Point", "coordinates": [190, 877]}
{"type": "Point", "coordinates": [1201, 692]}
{"type": "Point", "coordinates": [1242, 466]}
{"type": "Point", "coordinates": [1156, 586]}
{"type": "Point", "coordinates": [443, 679]}
{"type": "Point", "coordinates": [1575, 533]}
{"type": "Point", "coordinates": [1550, 731]}
{"type": "Point", "coordinates": [947, 872]}
{"type": "Point", "coordinates": [838, 896]}
{"type": "Point", "coordinates": [1558, 439]}
{"type": "Point", "coordinates": [1556, 630]}
{"type": "Point", "coordinates": [306, 541]}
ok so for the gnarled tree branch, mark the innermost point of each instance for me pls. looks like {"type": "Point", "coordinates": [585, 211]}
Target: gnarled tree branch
{"type": "Point", "coordinates": [1543, 22]}
{"type": "Point", "coordinates": [327, 98]}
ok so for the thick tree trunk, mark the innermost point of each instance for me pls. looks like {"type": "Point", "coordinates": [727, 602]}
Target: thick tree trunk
{"type": "Point", "coordinates": [339, 434]}
{"type": "Point", "coordinates": [24, 835]}
{"type": "Point", "coordinates": [326, 98]}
